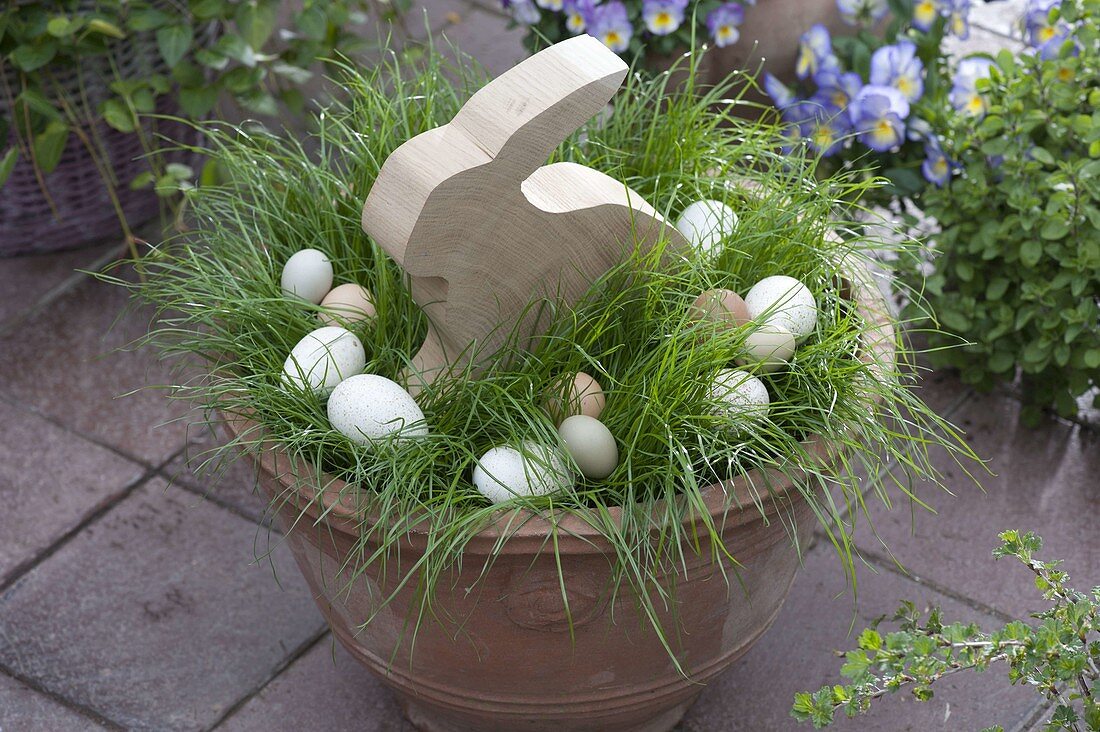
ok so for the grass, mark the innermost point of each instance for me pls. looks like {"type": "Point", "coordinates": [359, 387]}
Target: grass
{"type": "Point", "coordinates": [218, 296]}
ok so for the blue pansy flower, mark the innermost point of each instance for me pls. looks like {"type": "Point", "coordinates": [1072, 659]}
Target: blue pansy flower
{"type": "Point", "coordinates": [780, 93]}
{"type": "Point", "coordinates": [878, 116]}
{"type": "Point", "coordinates": [936, 168]}
{"type": "Point", "coordinates": [837, 89]}
{"type": "Point", "coordinates": [826, 129]}
{"type": "Point", "coordinates": [815, 51]}
{"type": "Point", "coordinates": [898, 66]}
{"type": "Point", "coordinates": [610, 24]}
{"type": "Point", "coordinates": [958, 17]}
{"type": "Point", "coordinates": [964, 95]}
{"type": "Point", "coordinates": [663, 16]}
{"type": "Point", "coordinates": [1041, 35]}
{"type": "Point", "coordinates": [925, 13]}
{"type": "Point", "coordinates": [722, 23]}
{"type": "Point", "coordinates": [863, 12]}
{"type": "Point", "coordinates": [576, 14]}
{"type": "Point", "coordinates": [524, 12]}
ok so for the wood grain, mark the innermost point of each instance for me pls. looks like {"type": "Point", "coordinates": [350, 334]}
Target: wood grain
{"type": "Point", "coordinates": [484, 227]}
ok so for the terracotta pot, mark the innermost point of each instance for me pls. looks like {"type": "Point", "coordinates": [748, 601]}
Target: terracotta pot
{"type": "Point", "coordinates": [498, 657]}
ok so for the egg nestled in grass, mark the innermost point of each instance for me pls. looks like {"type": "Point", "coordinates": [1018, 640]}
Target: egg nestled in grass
{"type": "Point", "coordinates": [705, 223]}
{"type": "Point", "coordinates": [307, 275]}
{"type": "Point", "coordinates": [367, 408]}
{"type": "Point", "coordinates": [744, 398]}
{"type": "Point", "coordinates": [591, 445]}
{"type": "Point", "coordinates": [769, 346]}
{"type": "Point", "coordinates": [532, 470]}
{"type": "Point", "coordinates": [324, 358]}
{"type": "Point", "coordinates": [347, 303]}
{"type": "Point", "coordinates": [785, 302]}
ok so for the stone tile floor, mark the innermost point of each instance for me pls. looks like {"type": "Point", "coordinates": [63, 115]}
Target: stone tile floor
{"type": "Point", "coordinates": [131, 596]}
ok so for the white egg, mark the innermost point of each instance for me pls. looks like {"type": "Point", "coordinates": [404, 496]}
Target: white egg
{"type": "Point", "coordinates": [745, 397]}
{"type": "Point", "coordinates": [367, 408]}
{"type": "Point", "coordinates": [770, 346]}
{"type": "Point", "coordinates": [324, 358]}
{"type": "Point", "coordinates": [783, 301]}
{"type": "Point", "coordinates": [590, 444]}
{"type": "Point", "coordinates": [505, 472]}
{"type": "Point", "coordinates": [705, 223]}
{"type": "Point", "coordinates": [308, 275]}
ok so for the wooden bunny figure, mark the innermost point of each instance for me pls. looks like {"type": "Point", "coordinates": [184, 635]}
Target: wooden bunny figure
{"type": "Point", "coordinates": [484, 228]}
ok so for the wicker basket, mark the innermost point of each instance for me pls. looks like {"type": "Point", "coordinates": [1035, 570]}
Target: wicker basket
{"type": "Point", "coordinates": [73, 208]}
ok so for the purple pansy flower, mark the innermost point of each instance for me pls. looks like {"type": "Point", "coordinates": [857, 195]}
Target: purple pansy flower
{"type": "Point", "coordinates": [609, 23]}
{"type": "Point", "coordinates": [899, 67]}
{"type": "Point", "coordinates": [524, 12]}
{"type": "Point", "coordinates": [964, 92]}
{"type": "Point", "coordinates": [958, 17]}
{"type": "Point", "coordinates": [722, 23]}
{"type": "Point", "coordinates": [925, 13]}
{"type": "Point", "coordinates": [878, 115]}
{"type": "Point", "coordinates": [781, 94]}
{"type": "Point", "coordinates": [815, 51]}
{"type": "Point", "coordinates": [1041, 35]}
{"type": "Point", "coordinates": [936, 168]}
{"type": "Point", "coordinates": [863, 12]}
{"type": "Point", "coordinates": [826, 129]}
{"type": "Point", "coordinates": [838, 88]}
{"type": "Point", "coordinates": [576, 13]}
{"type": "Point", "coordinates": [663, 16]}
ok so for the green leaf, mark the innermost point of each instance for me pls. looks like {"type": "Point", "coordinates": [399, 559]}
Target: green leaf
{"type": "Point", "coordinates": [60, 26]}
{"type": "Point", "coordinates": [1042, 155]}
{"type": "Point", "coordinates": [1030, 252]}
{"type": "Point", "coordinates": [29, 57]}
{"type": "Point", "coordinates": [142, 180]}
{"type": "Point", "coordinates": [148, 19]}
{"type": "Point", "coordinates": [312, 23]}
{"type": "Point", "coordinates": [1092, 358]}
{"type": "Point", "coordinates": [103, 27]}
{"type": "Point", "coordinates": [292, 73]}
{"type": "Point", "coordinates": [49, 144]}
{"type": "Point", "coordinates": [173, 43]}
{"type": "Point", "coordinates": [196, 102]}
{"type": "Point", "coordinates": [118, 115]}
{"type": "Point", "coordinates": [996, 288]}
{"type": "Point", "coordinates": [1054, 229]}
{"type": "Point", "coordinates": [1001, 361]}
{"type": "Point", "coordinates": [179, 171]}
{"type": "Point", "coordinates": [7, 164]}
{"type": "Point", "coordinates": [256, 21]}
{"type": "Point", "coordinates": [208, 9]}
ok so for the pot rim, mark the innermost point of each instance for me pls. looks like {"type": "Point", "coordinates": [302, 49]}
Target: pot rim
{"type": "Point", "coordinates": [336, 506]}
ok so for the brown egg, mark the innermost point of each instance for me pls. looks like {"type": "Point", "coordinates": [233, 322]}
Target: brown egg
{"type": "Point", "coordinates": [582, 395]}
{"type": "Point", "coordinates": [347, 303]}
{"type": "Point", "coordinates": [723, 306]}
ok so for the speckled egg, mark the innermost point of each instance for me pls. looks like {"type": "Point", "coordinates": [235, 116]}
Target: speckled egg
{"type": "Point", "coordinates": [367, 408]}
{"type": "Point", "coordinates": [783, 301]}
{"type": "Point", "coordinates": [722, 306]}
{"type": "Point", "coordinates": [705, 223]}
{"type": "Point", "coordinates": [580, 395]}
{"type": "Point", "coordinates": [308, 275]}
{"type": "Point", "coordinates": [591, 445]}
{"type": "Point", "coordinates": [347, 303]}
{"type": "Point", "coordinates": [324, 358]}
{"type": "Point", "coordinates": [770, 346]}
{"type": "Point", "coordinates": [506, 472]}
{"type": "Point", "coordinates": [745, 398]}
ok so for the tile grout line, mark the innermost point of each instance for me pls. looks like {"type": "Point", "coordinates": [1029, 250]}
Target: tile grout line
{"type": "Point", "coordinates": [303, 648]}
{"type": "Point", "coordinates": [209, 496]}
{"type": "Point", "coordinates": [24, 568]}
{"type": "Point", "coordinates": [80, 709]}
{"type": "Point", "coordinates": [886, 564]}
{"type": "Point", "coordinates": [70, 282]}
{"type": "Point", "coordinates": [98, 441]}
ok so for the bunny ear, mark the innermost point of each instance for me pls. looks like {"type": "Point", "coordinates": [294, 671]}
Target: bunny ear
{"type": "Point", "coordinates": [523, 115]}
{"type": "Point", "coordinates": [514, 123]}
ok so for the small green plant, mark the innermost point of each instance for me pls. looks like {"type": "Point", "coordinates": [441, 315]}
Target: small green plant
{"type": "Point", "coordinates": [1059, 656]}
{"type": "Point", "coordinates": [1017, 271]}
{"type": "Point", "coordinates": [197, 52]}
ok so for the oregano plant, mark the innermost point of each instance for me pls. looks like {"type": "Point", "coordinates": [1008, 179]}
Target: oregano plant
{"type": "Point", "coordinates": [1058, 655]}
{"type": "Point", "coordinates": [1016, 274]}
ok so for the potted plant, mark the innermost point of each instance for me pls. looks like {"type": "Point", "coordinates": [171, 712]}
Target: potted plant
{"type": "Point", "coordinates": [551, 594]}
{"type": "Point", "coordinates": [91, 89]}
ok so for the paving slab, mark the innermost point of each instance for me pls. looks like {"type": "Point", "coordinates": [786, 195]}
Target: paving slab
{"type": "Point", "coordinates": [50, 481]}
{"type": "Point", "coordinates": [26, 281]}
{"type": "Point", "coordinates": [796, 654]}
{"type": "Point", "coordinates": [486, 36]}
{"type": "Point", "coordinates": [1045, 481]}
{"type": "Point", "coordinates": [325, 690]}
{"type": "Point", "coordinates": [156, 616]}
{"type": "Point", "coordinates": [225, 478]}
{"type": "Point", "coordinates": [23, 708]}
{"type": "Point", "coordinates": [64, 362]}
